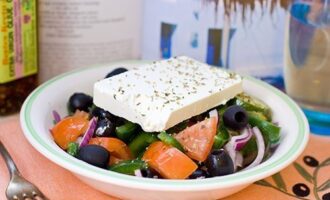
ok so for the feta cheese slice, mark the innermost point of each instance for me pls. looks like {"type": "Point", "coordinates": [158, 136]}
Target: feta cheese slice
{"type": "Point", "coordinates": [162, 94]}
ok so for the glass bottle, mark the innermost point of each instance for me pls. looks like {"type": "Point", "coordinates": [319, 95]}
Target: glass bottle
{"type": "Point", "coordinates": [82, 33]}
{"type": "Point", "coordinates": [18, 53]}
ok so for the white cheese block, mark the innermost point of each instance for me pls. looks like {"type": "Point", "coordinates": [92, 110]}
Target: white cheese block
{"type": "Point", "coordinates": [162, 94]}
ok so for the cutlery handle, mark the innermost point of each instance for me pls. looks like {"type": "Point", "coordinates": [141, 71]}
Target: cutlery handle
{"type": "Point", "coordinates": [9, 161]}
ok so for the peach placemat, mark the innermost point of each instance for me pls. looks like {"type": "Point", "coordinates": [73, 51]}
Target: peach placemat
{"type": "Point", "coordinates": [307, 178]}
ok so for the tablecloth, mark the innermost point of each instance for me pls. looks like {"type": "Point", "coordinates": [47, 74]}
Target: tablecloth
{"type": "Point", "coordinates": [307, 178]}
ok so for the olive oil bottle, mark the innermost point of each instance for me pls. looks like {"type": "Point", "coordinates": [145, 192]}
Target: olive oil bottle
{"type": "Point", "coordinates": [18, 53]}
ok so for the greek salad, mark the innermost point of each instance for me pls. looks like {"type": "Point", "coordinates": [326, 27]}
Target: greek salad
{"type": "Point", "coordinates": [226, 139]}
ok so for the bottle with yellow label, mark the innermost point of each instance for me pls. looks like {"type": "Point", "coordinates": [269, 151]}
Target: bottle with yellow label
{"type": "Point", "coordinates": [18, 52]}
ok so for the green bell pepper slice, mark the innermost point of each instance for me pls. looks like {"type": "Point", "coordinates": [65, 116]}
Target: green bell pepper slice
{"type": "Point", "coordinates": [221, 138]}
{"type": "Point", "coordinates": [168, 139]}
{"type": "Point", "coordinates": [270, 131]}
{"type": "Point", "coordinates": [141, 142]}
{"type": "Point", "coordinates": [252, 104]}
{"type": "Point", "coordinates": [128, 166]}
{"type": "Point", "coordinates": [126, 131]}
{"type": "Point", "coordinates": [73, 148]}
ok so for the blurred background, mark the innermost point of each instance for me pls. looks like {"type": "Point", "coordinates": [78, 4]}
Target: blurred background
{"type": "Point", "coordinates": [245, 36]}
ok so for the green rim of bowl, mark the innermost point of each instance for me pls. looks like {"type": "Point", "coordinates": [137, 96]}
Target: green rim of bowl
{"type": "Point", "coordinates": [240, 177]}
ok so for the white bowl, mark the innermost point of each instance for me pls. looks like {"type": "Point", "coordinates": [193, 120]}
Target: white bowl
{"type": "Point", "coordinates": [36, 119]}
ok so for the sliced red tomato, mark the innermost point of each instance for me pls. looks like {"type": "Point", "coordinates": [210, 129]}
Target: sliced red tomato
{"type": "Point", "coordinates": [169, 161]}
{"type": "Point", "coordinates": [68, 130]}
{"type": "Point", "coordinates": [197, 140]}
{"type": "Point", "coordinates": [116, 147]}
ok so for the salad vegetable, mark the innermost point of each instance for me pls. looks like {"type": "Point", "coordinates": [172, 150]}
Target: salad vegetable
{"type": "Point", "coordinates": [73, 148]}
{"type": "Point", "coordinates": [168, 139]}
{"type": "Point", "coordinates": [221, 137]}
{"type": "Point", "coordinates": [69, 129]}
{"type": "Point", "coordinates": [141, 142]}
{"type": "Point", "coordinates": [115, 146]}
{"type": "Point", "coordinates": [166, 161]}
{"type": "Point", "coordinates": [116, 71]}
{"type": "Point", "coordinates": [252, 104]}
{"type": "Point", "coordinates": [240, 141]}
{"type": "Point", "coordinates": [56, 116]}
{"type": "Point", "coordinates": [261, 148]}
{"type": "Point", "coordinates": [126, 132]}
{"type": "Point", "coordinates": [235, 117]}
{"type": "Point", "coordinates": [270, 131]}
{"type": "Point", "coordinates": [95, 155]}
{"type": "Point", "coordinates": [89, 132]}
{"type": "Point", "coordinates": [198, 174]}
{"type": "Point", "coordinates": [224, 140]}
{"type": "Point", "coordinates": [105, 128]}
{"type": "Point", "coordinates": [129, 166]}
{"type": "Point", "coordinates": [219, 163]}
{"type": "Point", "coordinates": [249, 151]}
{"type": "Point", "coordinates": [80, 101]}
{"type": "Point", "coordinates": [198, 139]}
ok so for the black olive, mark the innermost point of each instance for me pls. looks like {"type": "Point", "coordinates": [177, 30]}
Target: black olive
{"type": "Point", "coordinates": [116, 71]}
{"type": "Point", "coordinates": [102, 114]}
{"type": "Point", "coordinates": [94, 155]}
{"type": "Point", "coordinates": [301, 190]}
{"type": "Point", "coordinates": [104, 128]}
{"type": "Point", "coordinates": [235, 117]}
{"type": "Point", "coordinates": [310, 161]}
{"type": "Point", "coordinates": [326, 196]}
{"type": "Point", "coordinates": [80, 101]}
{"type": "Point", "coordinates": [120, 121]}
{"type": "Point", "coordinates": [148, 173]}
{"type": "Point", "coordinates": [198, 174]}
{"type": "Point", "coordinates": [219, 163]}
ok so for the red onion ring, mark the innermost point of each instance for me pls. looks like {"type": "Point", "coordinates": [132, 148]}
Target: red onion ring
{"type": "Point", "coordinates": [261, 148]}
{"type": "Point", "coordinates": [56, 116]}
{"type": "Point", "coordinates": [89, 132]}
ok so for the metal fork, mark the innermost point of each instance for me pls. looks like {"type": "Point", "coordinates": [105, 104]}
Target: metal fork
{"type": "Point", "coordinates": [19, 188]}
